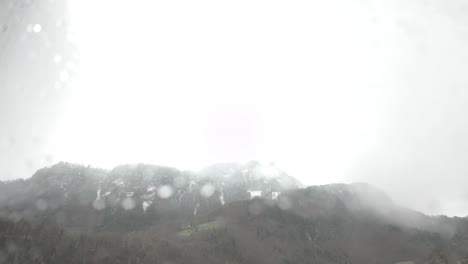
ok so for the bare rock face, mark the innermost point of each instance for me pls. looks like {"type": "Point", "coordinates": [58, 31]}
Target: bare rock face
{"type": "Point", "coordinates": [83, 197]}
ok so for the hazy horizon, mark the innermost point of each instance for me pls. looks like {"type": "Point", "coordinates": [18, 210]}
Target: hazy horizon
{"type": "Point", "coordinates": [370, 91]}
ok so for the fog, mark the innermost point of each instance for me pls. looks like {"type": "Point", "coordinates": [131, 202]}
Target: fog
{"type": "Point", "coordinates": [330, 91]}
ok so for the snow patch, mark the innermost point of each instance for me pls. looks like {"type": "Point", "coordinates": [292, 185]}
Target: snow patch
{"type": "Point", "coordinates": [151, 188]}
{"type": "Point", "coordinates": [195, 209]}
{"type": "Point", "coordinates": [98, 194]}
{"type": "Point", "coordinates": [118, 182]}
{"type": "Point", "coordinates": [145, 205]}
{"type": "Point", "coordinates": [275, 195]}
{"type": "Point", "coordinates": [254, 194]}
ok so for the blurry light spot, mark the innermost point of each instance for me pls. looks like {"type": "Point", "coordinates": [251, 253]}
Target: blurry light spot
{"type": "Point", "coordinates": [57, 58]}
{"type": "Point", "coordinates": [41, 205]}
{"type": "Point", "coordinates": [64, 76]}
{"type": "Point", "coordinates": [128, 203]}
{"type": "Point", "coordinates": [99, 204]}
{"type": "Point", "coordinates": [165, 191]}
{"type": "Point", "coordinates": [207, 190]}
{"type": "Point", "coordinates": [37, 28]}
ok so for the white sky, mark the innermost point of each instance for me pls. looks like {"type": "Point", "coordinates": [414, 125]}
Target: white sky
{"type": "Point", "coordinates": [191, 83]}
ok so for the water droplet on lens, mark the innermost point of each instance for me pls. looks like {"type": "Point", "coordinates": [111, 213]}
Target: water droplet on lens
{"type": "Point", "coordinates": [207, 190]}
{"type": "Point", "coordinates": [128, 203]}
{"type": "Point", "coordinates": [37, 28]}
{"type": "Point", "coordinates": [165, 191]}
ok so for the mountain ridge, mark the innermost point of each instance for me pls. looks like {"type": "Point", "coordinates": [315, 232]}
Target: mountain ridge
{"type": "Point", "coordinates": [226, 213]}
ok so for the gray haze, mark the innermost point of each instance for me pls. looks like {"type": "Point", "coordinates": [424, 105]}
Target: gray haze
{"type": "Point", "coordinates": [370, 91]}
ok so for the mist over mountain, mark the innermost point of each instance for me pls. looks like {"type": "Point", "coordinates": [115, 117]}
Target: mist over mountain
{"type": "Point", "coordinates": [80, 197]}
{"type": "Point", "coordinates": [226, 213]}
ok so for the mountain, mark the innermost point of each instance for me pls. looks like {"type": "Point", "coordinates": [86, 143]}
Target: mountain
{"type": "Point", "coordinates": [226, 213]}
{"type": "Point", "coordinates": [84, 198]}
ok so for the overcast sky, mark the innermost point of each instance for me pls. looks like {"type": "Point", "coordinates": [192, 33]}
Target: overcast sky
{"type": "Point", "coordinates": [330, 91]}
